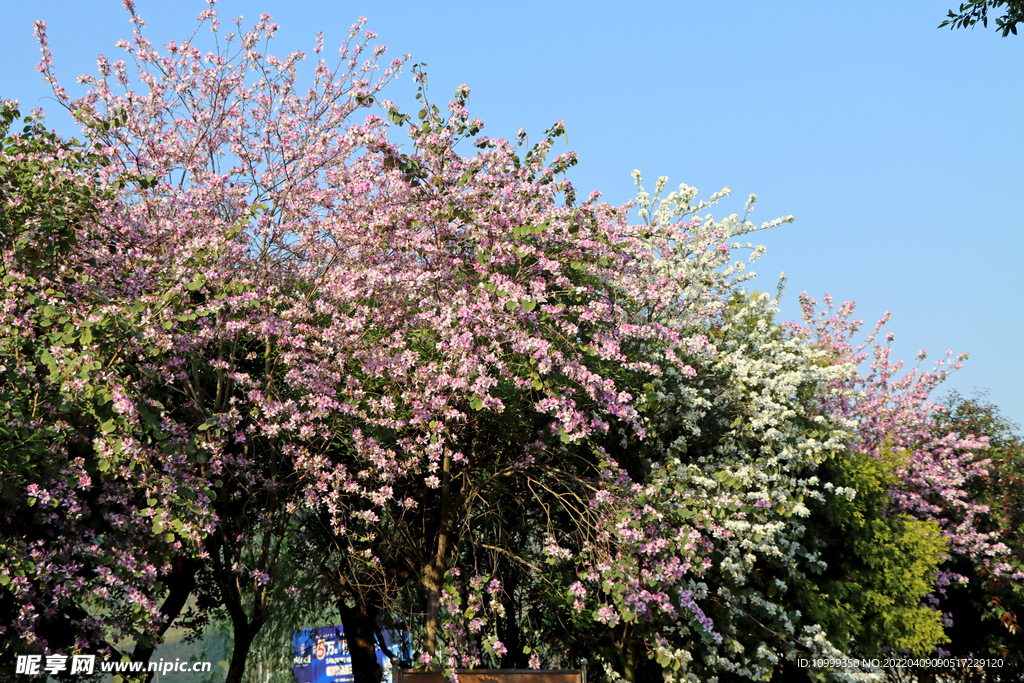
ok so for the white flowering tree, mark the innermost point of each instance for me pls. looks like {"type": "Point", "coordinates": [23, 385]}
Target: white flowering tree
{"type": "Point", "coordinates": [730, 457]}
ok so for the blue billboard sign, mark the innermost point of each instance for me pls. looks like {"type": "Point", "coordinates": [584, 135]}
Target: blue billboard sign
{"type": "Point", "coordinates": [322, 655]}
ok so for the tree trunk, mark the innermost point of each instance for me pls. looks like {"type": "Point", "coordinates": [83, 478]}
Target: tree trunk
{"type": "Point", "coordinates": [626, 649]}
{"type": "Point", "coordinates": [360, 623]}
{"type": "Point", "coordinates": [433, 573]}
{"type": "Point", "coordinates": [509, 632]}
{"type": "Point", "coordinates": [244, 628]}
{"type": "Point", "coordinates": [243, 637]}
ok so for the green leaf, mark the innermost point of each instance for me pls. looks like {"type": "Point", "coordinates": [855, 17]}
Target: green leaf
{"type": "Point", "coordinates": [49, 361]}
{"type": "Point", "coordinates": [476, 404]}
{"type": "Point", "coordinates": [529, 305]}
{"type": "Point", "coordinates": [511, 305]}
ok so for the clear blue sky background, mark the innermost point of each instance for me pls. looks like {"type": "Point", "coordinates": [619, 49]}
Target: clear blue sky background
{"type": "Point", "coordinates": [898, 147]}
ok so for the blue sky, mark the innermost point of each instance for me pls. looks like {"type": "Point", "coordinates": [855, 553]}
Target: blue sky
{"type": "Point", "coordinates": [897, 146]}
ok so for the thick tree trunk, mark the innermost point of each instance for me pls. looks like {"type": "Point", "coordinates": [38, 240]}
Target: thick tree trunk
{"type": "Point", "coordinates": [433, 581]}
{"type": "Point", "coordinates": [242, 644]}
{"type": "Point", "coordinates": [244, 627]}
{"type": "Point", "coordinates": [360, 623]}
{"type": "Point", "coordinates": [245, 631]}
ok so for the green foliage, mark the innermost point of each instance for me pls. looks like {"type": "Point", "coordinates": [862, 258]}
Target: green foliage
{"type": "Point", "coordinates": [970, 13]}
{"type": "Point", "coordinates": [879, 565]}
{"type": "Point", "coordinates": [47, 200]}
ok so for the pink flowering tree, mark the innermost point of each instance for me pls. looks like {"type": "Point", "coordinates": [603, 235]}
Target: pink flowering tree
{"type": "Point", "coordinates": [986, 613]}
{"type": "Point", "coordinates": [88, 518]}
{"type": "Point", "coordinates": [504, 329]}
{"type": "Point", "coordinates": [178, 285]}
{"type": "Point", "coordinates": [895, 411]}
{"type": "Point", "coordinates": [339, 329]}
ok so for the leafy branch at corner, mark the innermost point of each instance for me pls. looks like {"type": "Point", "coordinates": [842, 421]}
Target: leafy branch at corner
{"type": "Point", "coordinates": [970, 13]}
